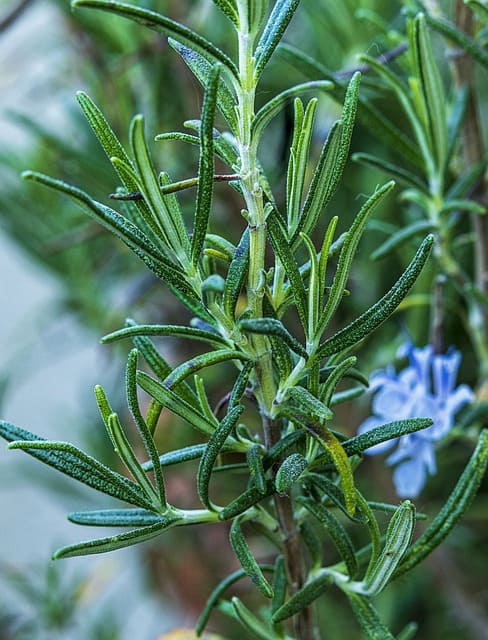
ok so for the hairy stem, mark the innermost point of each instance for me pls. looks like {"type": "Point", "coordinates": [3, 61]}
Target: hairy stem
{"type": "Point", "coordinates": [265, 385]}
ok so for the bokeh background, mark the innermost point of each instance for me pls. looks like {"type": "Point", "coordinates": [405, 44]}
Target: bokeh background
{"type": "Point", "coordinates": [65, 283]}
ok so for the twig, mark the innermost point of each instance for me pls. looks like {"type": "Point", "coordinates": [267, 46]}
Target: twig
{"type": "Point", "coordinates": [473, 149]}
{"type": "Point", "coordinates": [173, 187]}
{"type": "Point", "coordinates": [384, 58]}
{"type": "Point", "coordinates": [9, 19]}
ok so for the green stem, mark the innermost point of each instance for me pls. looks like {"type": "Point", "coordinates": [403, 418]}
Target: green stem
{"type": "Point", "coordinates": [253, 196]}
{"type": "Point", "coordinates": [265, 389]}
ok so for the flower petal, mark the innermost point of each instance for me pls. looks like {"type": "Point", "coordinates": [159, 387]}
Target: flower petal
{"type": "Point", "coordinates": [409, 478]}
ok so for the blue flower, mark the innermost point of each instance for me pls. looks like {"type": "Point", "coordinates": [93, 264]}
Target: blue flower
{"type": "Point", "coordinates": [426, 388]}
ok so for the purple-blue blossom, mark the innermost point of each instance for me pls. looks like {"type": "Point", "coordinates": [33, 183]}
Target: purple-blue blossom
{"type": "Point", "coordinates": [424, 389]}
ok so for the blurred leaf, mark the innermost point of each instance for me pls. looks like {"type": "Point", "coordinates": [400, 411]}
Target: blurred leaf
{"type": "Point", "coordinates": [164, 25]}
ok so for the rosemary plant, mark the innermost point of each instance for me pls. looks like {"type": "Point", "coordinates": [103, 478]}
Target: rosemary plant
{"type": "Point", "coordinates": [300, 467]}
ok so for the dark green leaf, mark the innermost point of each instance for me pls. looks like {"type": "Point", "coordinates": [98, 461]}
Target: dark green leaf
{"type": "Point", "coordinates": [206, 164]}
{"type": "Point", "coordinates": [101, 128]}
{"type": "Point", "coordinates": [312, 590]}
{"type": "Point", "coordinates": [228, 7]}
{"type": "Point", "coordinates": [347, 254]}
{"type": "Point", "coordinates": [289, 472]}
{"type": "Point", "coordinates": [236, 275]}
{"type": "Point", "coordinates": [458, 502]}
{"type": "Point", "coordinates": [145, 433]}
{"type": "Point", "coordinates": [398, 537]}
{"type": "Point", "coordinates": [251, 622]}
{"type": "Point", "coordinates": [164, 330]}
{"type": "Point", "coordinates": [452, 33]}
{"type": "Point", "coordinates": [212, 451]}
{"type": "Point", "coordinates": [379, 312]}
{"type": "Point", "coordinates": [247, 560]}
{"type": "Point", "coordinates": [336, 531]}
{"type": "Point", "coordinates": [331, 491]}
{"type": "Point", "coordinates": [201, 362]}
{"type": "Point", "coordinates": [254, 458]}
{"type": "Point", "coordinates": [276, 104]}
{"type": "Point", "coordinates": [192, 452]}
{"type": "Point", "coordinates": [119, 518]}
{"type": "Point", "coordinates": [431, 88]}
{"type": "Point", "coordinates": [283, 251]}
{"type": "Point", "coordinates": [104, 545]}
{"type": "Point", "coordinates": [278, 21]}
{"type": "Point", "coordinates": [334, 378]}
{"type": "Point", "coordinates": [272, 327]}
{"type": "Point", "coordinates": [396, 429]}
{"type": "Point", "coordinates": [202, 70]}
{"type": "Point", "coordinates": [280, 583]}
{"type": "Point", "coordinates": [170, 223]}
{"type": "Point", "coordinates": [216, 594]}
{"type": "Point", "coordinates": [73, 462]}
{"type": "Point", "coordinates": [245, 501]}
{"type": "Point", "coordinates": [175, 403]}
{"type": "Point", "coordinates": [323, 184]}
{"type": "Point", "coordinates": [368, 618]}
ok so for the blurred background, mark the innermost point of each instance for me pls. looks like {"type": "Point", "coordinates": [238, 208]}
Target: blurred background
{"type": "Point", "coordinates": [66, 282]}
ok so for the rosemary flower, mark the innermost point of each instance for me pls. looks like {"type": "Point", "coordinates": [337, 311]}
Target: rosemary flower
{"type": "Point", "coordinates": [426, 388]}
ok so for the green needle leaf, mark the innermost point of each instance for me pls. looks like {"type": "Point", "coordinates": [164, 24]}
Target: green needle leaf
{"type": "Point", "coordinates": [368, 618]}
{"type": "Point", "coordinates": [119, 518]}
{"type": "Point", "coordinates": [128, 457]}
{"type": "Point", "coordinates": [398, 537]}
{"type": "Point", "coordinates": [202, 70]}
{"type": "Point", "coordinates": [379, 312]}
{"type": "Point", "coordinates": [206, 164]}
{"type": "Point", "coordinates": [278, 21]}
{"type": "Point", "coordinates": [312, 590]}
{"type": "Point", "coordinates": [276, 104]}
{"type": "Point", "coordinates": [272, 327]}
{"type": "Point", "coordinates": [432, 89]}
{"type": "Point", "coordinates": [289, 472]}
{"type": "Point", "coordinates": [282, 249]}
{"type": "Point", "coordinates": [216, 594]}
{"type": "Point", "coordinates": [145, 433]}
{"type": "Point", "coordinates": [104, 545]}
{"type": "Point", "coordinates": [401, 236]}
{"type": "Point", "coordinates": [201, 362]}
{"type": "Point", "coordinates": [73, 462]}
{"type": "Point", "coordinates": [175, 403]}
{"type": "Point", "coordinates": [336, 531]}
{"type": "Point", "coordinates": [247, 560]}
{"type": "Point", "coordinates": [251, 622]}
{"type": "Point", "coordinates": [212, 451]}
{"type": "Point", "coordinates": [450, 514]}
{"type": "Point", "coordinates": [236, 275]}
{"type": "Point", "coordinates": [347, 254]}
{"type": "Point", "coordinates": [164, 330]}
{"type": "Point", "coordinates": [396, 429]}
{"type": "Point", "coordinates": [228, 8]}
{"type": "Point", "coordinates": [339, 456]}
{"type": "Point", "coordinates": [254, 458]}
{"type": "Point", "coordinates": [397, 173]}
